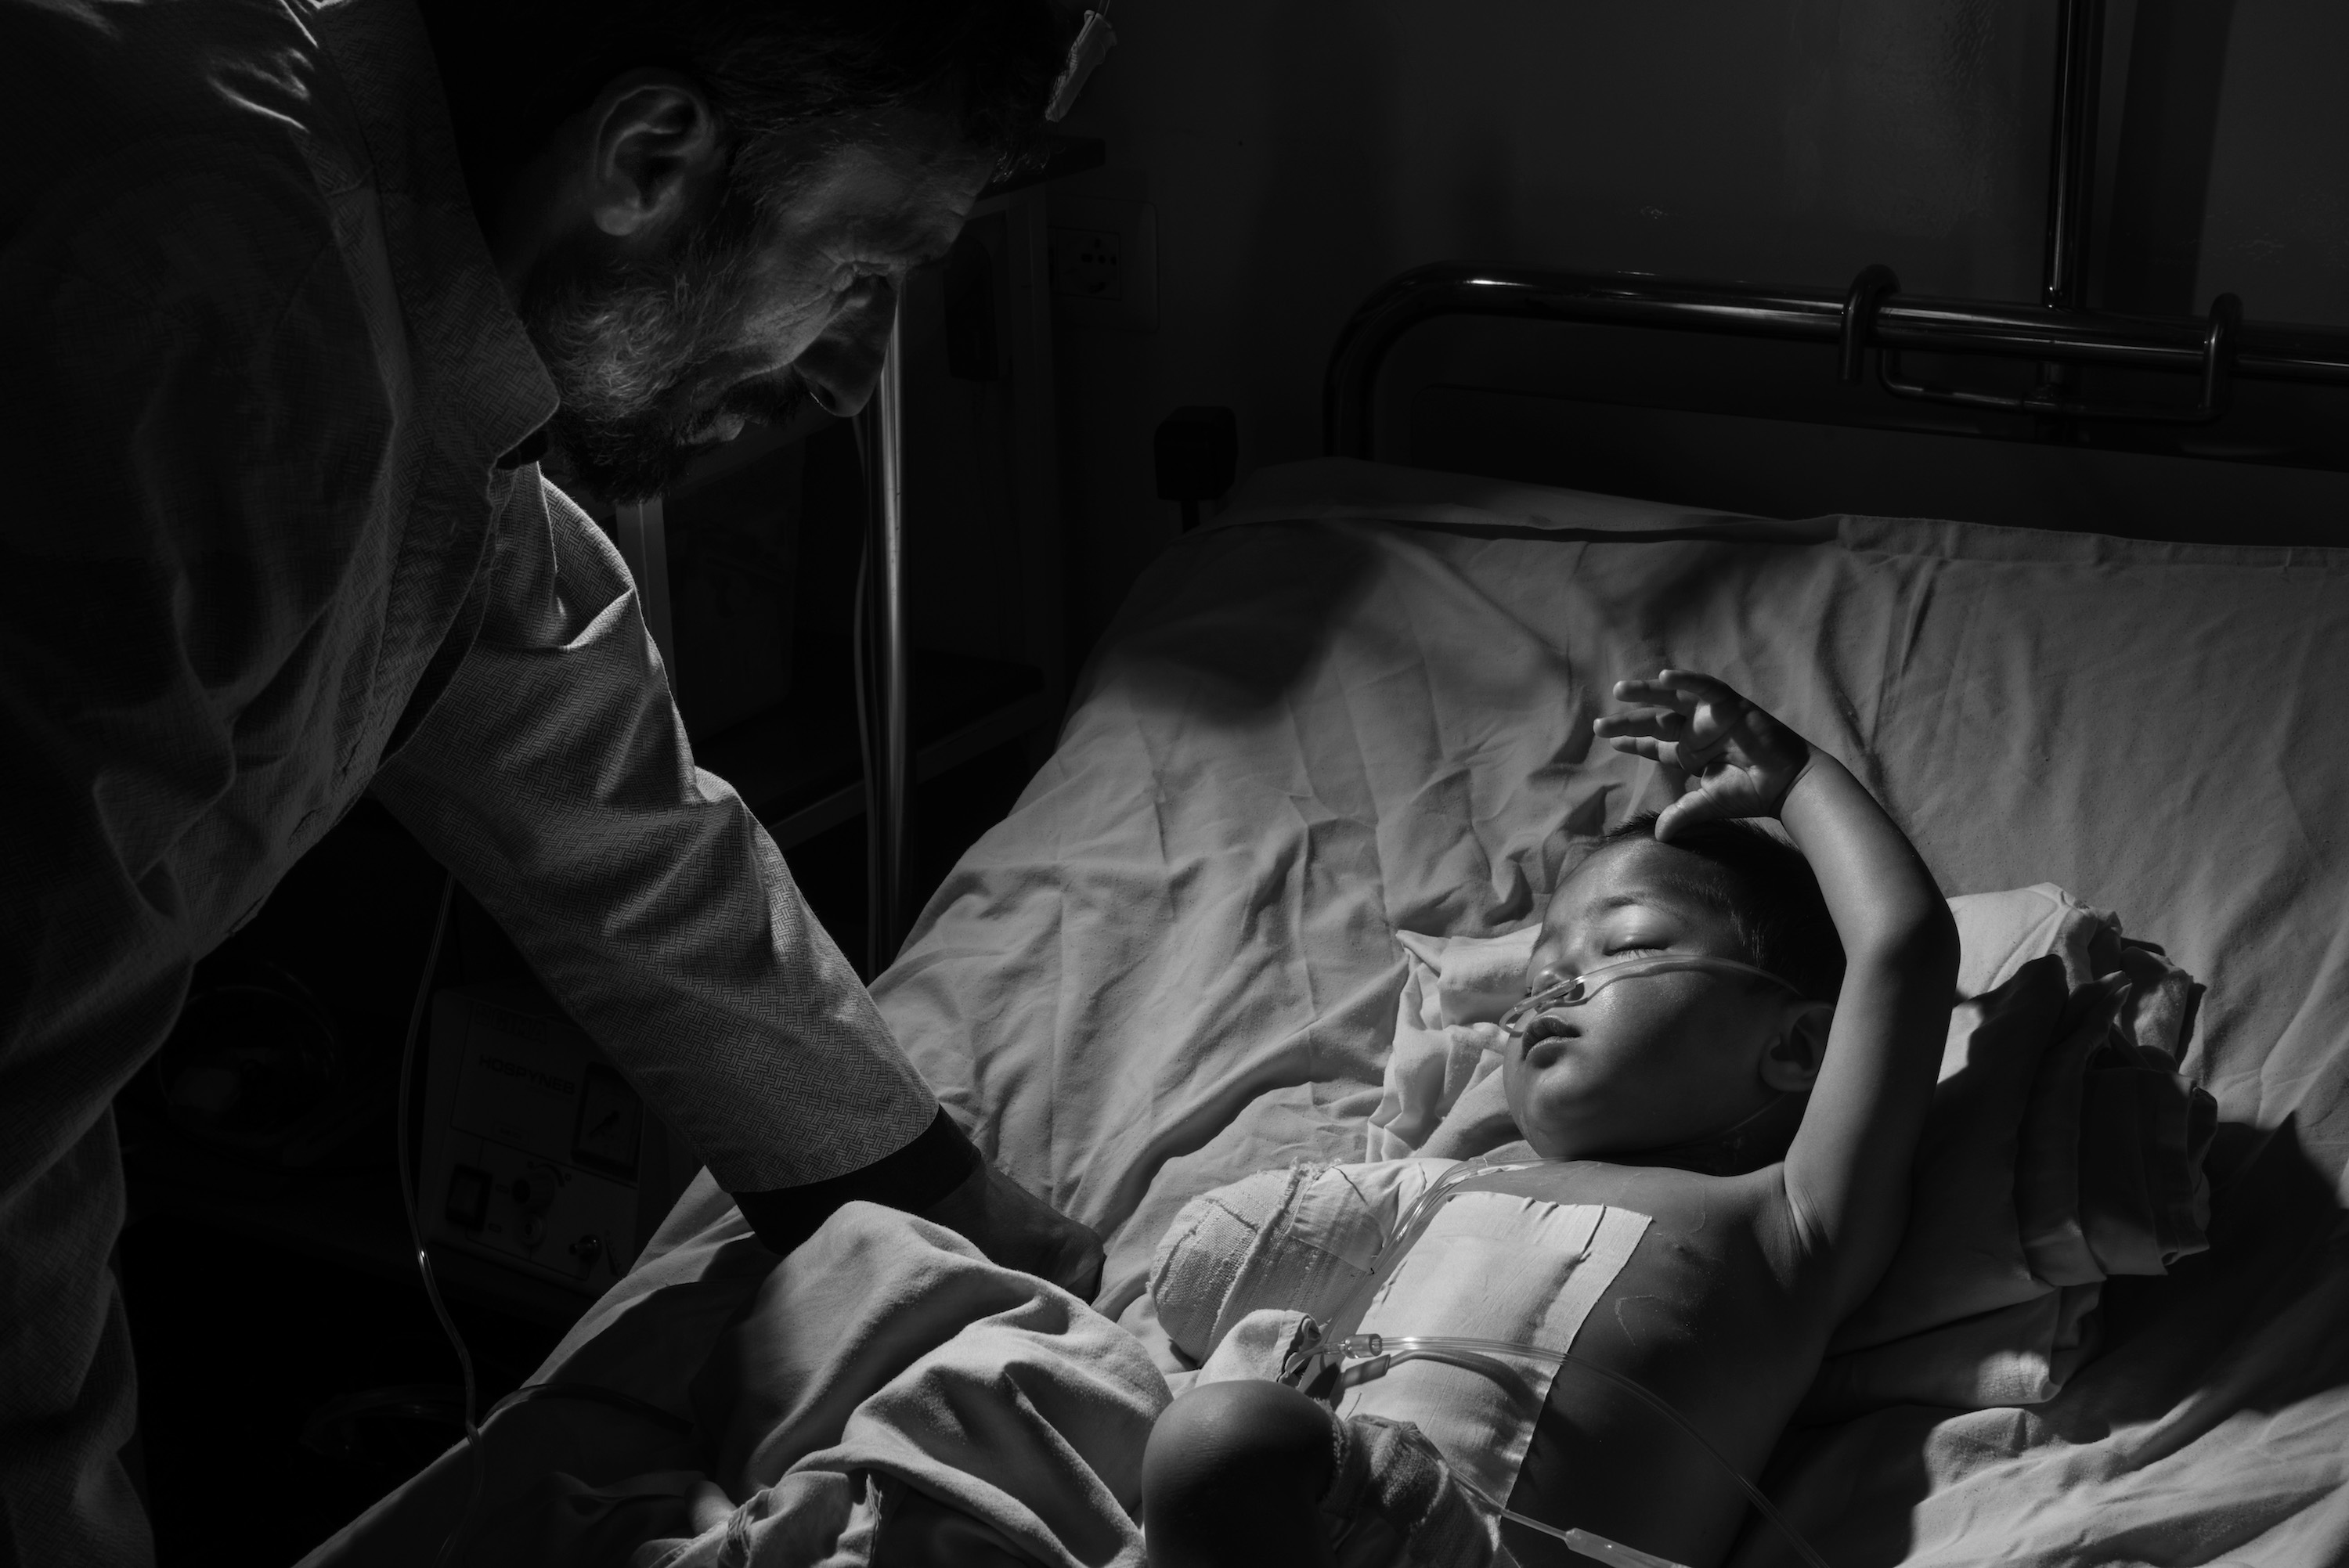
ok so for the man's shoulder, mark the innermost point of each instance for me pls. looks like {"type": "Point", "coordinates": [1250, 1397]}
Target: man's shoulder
{"type": "Point", "coordinates": [144, 138]}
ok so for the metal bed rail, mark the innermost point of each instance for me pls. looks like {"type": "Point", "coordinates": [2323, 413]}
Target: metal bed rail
{"type": "Point", "coordinates": [2059, 334]}
{"type": "Point", "coordinates": [2215, 350]}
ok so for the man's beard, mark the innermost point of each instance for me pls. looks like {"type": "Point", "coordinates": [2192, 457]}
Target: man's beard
{"type": "Point", "coordinates": [623, 341]}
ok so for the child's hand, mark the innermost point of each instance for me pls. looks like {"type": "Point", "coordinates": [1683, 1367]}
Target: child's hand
{"type": "Point", "coordinates": [1740, 761]}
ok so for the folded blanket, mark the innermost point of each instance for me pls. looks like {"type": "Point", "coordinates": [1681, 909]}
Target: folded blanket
{"type": "Point", "coordinates": [810, 1402]}
{"type": "Point", "coordinates": [2058, 1152]}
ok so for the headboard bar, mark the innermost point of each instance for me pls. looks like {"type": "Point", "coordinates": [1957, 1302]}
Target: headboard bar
{"type": "Point", "coordinates": [2263, 351]}
{"type": "Point", "coordinates": [1872, 313]}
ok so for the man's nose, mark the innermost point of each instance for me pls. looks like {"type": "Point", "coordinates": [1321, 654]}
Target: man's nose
{"type": "Point", "coordinates": [843, 365]}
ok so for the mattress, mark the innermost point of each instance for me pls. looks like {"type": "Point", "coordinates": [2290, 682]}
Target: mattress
{"type": "Point", "coordinates": [1360, 702]}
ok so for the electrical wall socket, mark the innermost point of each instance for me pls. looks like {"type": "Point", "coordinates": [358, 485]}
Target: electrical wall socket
{"type": "Point", "coordinates": [1104, 262]}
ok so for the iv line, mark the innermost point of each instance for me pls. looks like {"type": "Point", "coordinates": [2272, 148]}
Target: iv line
{"type": "Point", "coordinates": [1479, 1356]}
{"type": "Point", "coordinates": [407, 1195]}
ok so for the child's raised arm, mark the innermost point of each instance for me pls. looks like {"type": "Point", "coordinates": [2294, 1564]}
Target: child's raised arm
{"type": "Point", "coordinates": [1848, 1171]}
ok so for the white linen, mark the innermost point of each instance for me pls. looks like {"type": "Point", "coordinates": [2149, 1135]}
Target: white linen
{"type": "Point", "coordinates": [1361, 704]}
{"type": "Point", "coordinates": [883, 1354]}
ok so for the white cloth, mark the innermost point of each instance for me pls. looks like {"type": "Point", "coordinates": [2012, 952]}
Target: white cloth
{"type": "Point", "coordinates": [883, 1354]}
{"type": "Point", "coordinates": [1305, 1239]}
{"type": "Point", "coordinates": [1173, 965]}
{"type": "Point", "coordinates": [1447, 1036]}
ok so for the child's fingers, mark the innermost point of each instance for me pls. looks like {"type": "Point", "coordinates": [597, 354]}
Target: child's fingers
{"type": "Point", "coordinates": [1678, 689]}
{"type": "Point", "coordinates": [1656, 693]}
{"type": "Point", "coordinates": [1690, 809]}
{"type": "Point", "coordinates": [1695, 681]}
{"type": "Point", "coordinates": [1666, 726]}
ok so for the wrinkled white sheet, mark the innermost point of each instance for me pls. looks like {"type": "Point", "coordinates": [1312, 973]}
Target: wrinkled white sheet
{"type": "Point", "coordinates": [793, 1404]}
{"type": "Point", "coordinates": [1361, 703]}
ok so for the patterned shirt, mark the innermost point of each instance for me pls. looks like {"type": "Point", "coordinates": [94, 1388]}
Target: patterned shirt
{"type": "Point", "coordinates": [259, 552]}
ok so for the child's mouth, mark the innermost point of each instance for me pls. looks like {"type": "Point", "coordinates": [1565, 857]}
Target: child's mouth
{"type": "Point", "coordinates": [1548, 1027]}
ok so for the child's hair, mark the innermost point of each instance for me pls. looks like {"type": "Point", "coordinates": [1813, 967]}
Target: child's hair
{"type": "Point", "coordinates": [1769, 893]}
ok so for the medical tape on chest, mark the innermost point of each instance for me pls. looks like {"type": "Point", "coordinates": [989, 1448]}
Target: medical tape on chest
{"type": "Point", "coordinates": [1499, 1267]}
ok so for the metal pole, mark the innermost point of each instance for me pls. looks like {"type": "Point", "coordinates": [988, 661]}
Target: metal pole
{"type": "Point", "coordinates": [641, 532]}
{"type": "Point", "coordinates": [885, 830]}
{"type": "Point", "coordinates": [2071, 168]}
{"type": "Point", "coordinates": [2071, 159]}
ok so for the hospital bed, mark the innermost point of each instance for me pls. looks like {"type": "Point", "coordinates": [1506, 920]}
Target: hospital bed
{"type": "Point", "coordinates": [1358, 702]}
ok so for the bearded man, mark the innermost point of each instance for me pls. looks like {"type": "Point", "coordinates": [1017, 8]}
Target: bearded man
{"type": "Point", "coordinates": [293, 295]}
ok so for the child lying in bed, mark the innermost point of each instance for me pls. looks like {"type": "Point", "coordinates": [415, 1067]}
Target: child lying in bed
{"type": "Point", "coordinates": [1690, 1010]}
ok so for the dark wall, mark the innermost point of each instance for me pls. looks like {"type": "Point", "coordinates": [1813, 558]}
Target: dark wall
{"type": "Point", "coordinates": [1298, 152]}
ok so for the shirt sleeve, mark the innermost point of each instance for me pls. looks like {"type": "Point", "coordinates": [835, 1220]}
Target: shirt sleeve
{"type": "Point", "coordinates": [159, 605]}
{"type": "Point", "coordinates": [552, 775]}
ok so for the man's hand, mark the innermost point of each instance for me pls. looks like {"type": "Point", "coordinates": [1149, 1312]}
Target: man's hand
{"type": "Point", "coordinates": [1740, 761]}
{"type": "Point", "coordinates": [1022, 1231]}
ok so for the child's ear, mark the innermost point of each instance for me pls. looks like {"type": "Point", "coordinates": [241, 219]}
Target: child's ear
{"type": "Point", "coordinates": [1791, 1061]}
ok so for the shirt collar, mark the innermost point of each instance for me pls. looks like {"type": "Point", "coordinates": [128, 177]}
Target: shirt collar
{"type": "Point", "coordinates": [482, 384]}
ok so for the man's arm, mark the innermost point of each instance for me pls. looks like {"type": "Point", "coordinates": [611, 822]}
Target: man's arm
{"type": "Point", "coordinates": [552, 774]}
{"type": "Point", "coordinates": [1848, 1171]}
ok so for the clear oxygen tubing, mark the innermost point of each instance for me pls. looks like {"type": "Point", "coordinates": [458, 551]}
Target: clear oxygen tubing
{"type": "Point", "coordinates": [1375, 1354]}
{"type": "Point", "coordinates": [1575, 990]}
{"type": "Point", "coordinates": [1378, 1353]}
{"type": "Point", "coordinates": [1416, 1220]}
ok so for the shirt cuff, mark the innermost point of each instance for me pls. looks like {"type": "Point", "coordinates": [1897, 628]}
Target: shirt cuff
{"type": "Point", "coordinates": [937, 1163]}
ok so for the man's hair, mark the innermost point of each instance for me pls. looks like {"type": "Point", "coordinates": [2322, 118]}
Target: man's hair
{"type": "Point", "coordinates": [1769, 893]}
{"type": "Point", "coordinates": [772, 66]}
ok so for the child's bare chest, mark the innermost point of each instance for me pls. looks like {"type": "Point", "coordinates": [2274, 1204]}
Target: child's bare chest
{"type": "Point", "coordinates": [1713, 1248]}
{"type": "Point", "coordinates": [1705, 1315]}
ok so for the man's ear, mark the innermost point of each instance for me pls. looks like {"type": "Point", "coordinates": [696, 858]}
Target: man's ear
{"type": "Point", "coordinates": [654, 141]}
{"type": "Point", "coordinates": [1791, 1061]}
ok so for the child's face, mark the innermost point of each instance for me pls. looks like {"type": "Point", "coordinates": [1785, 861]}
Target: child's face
{"type": "Point", "coordinates": [1653, 1060]}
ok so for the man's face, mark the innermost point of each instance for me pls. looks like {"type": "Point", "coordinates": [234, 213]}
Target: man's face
{"type": "Point", "coordinates": [778, 291]}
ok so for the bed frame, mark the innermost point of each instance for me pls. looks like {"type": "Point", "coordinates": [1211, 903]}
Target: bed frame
{"type": "Point", "coordinates": [2059, 334]}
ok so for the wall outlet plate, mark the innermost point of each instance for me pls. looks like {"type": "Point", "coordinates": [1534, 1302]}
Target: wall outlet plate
{"type": "Point", "coordinates": [1104, 262]}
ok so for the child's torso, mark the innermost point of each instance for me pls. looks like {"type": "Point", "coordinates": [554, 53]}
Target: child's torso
{"type": "Point", "coordinates": [1706, 1311]}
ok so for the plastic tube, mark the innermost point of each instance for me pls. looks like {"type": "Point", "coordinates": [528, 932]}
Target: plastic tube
{"type": "Point", "coordinates": [1591, 1544]}
{"type": "Point", "coordinates": [1380, 1352]}
{"type": "Point", "coordinates": [407, 1195]}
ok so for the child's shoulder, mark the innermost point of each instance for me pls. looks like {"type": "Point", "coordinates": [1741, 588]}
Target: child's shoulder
{"type": "Point", "coordinates": [1677, 1197]}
